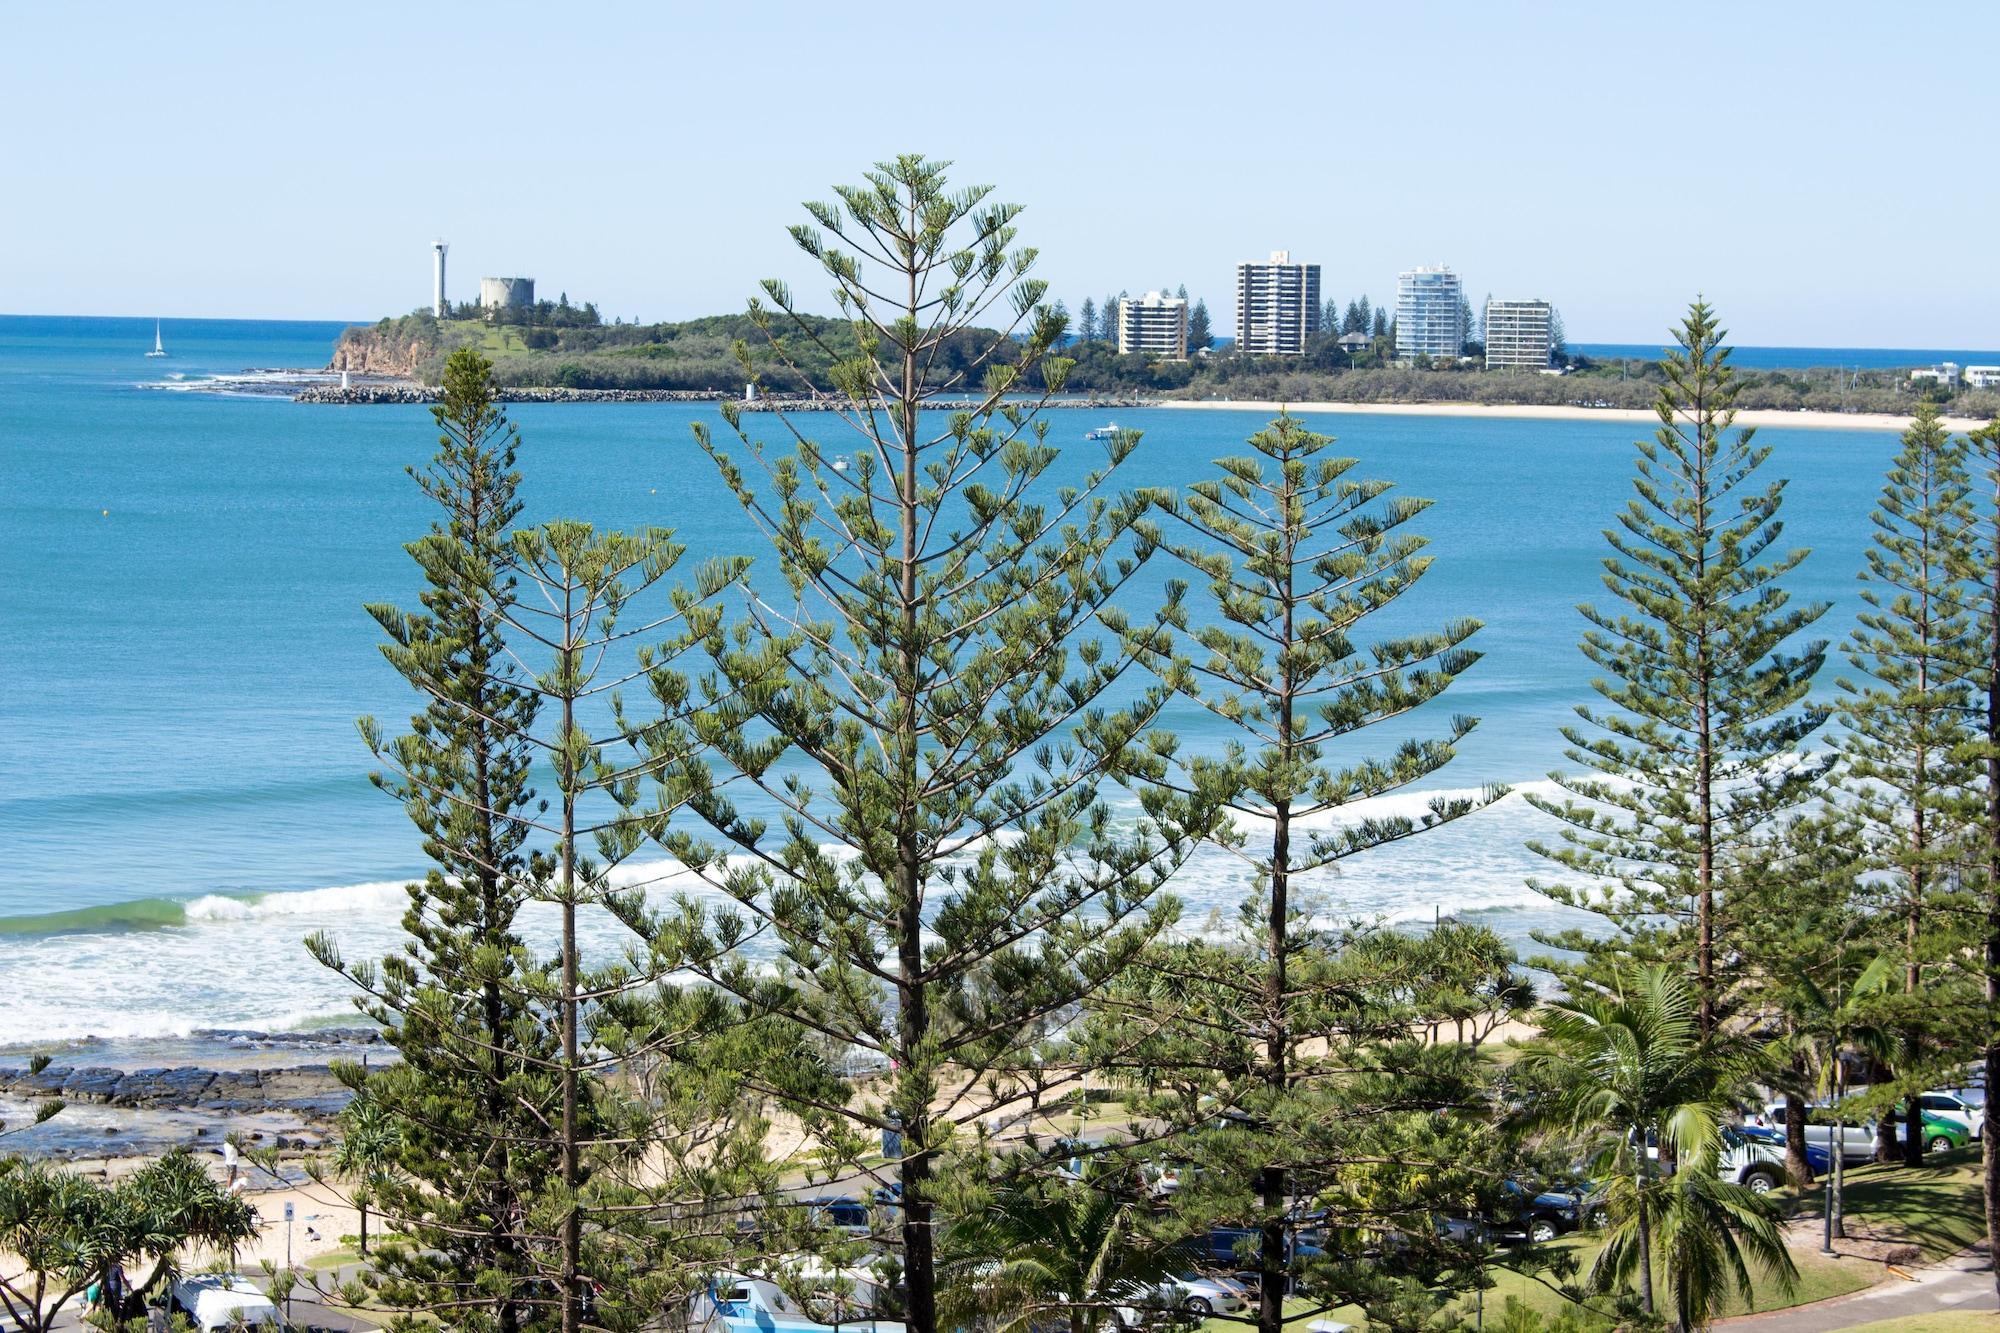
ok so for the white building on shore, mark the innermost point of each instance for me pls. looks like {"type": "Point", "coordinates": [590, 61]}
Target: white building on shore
{"type": "Point", "coordinates": [1277, 305]}
{"type": "Point", "coordinates": [1153, 325]}
{"type": "Point", "coordinates": [1520, 335]}
{"type": "Point", "coordinates": [1430, 314]}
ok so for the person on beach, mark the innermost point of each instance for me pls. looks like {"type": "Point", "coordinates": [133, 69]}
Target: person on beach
{"type": "Point", "coordinates": [115, 1289]}
{"type": "Point", "coordinates": [229, 1159]}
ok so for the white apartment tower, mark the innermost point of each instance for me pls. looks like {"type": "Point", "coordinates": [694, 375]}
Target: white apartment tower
{"type": "Point", "coordinates": [1430, 305]}
{"type": "Point", "coordinates": [437, 278]}
{"type": "Point", "coordinates": [1277, 305]}
{"type": "Point", "coordinates": [1153, 325]}
{"type": "Point", "coordinates": [1520, 335]}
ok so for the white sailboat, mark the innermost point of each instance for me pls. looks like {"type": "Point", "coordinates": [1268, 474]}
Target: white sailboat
{"type": "Point", "coordinates": [159, 348]}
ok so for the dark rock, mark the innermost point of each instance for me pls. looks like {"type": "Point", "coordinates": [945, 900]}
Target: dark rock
{"type": "Point", "coordinates": [178, 1086]}
{"type": "Point", "coordinates": [94, 1083]}
{"type": "Point", "coordinates": [49, 1081]}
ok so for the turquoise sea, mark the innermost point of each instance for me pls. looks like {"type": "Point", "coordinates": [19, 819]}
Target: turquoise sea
{"type": "Point", "coordinates": [183, 568]}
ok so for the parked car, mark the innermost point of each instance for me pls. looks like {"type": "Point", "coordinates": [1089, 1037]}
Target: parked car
{"type": "Point", "coordinates": [213, 1301]}
{"type": "Point", "coordinates": [736, 1303]}
{"type": "Point", "coordinates": [1940, 1134]}
{"type": "Point", "coordinates": [845, 1215]}
{"type": "Point", "coordinates": [1950, 1106]}
{"type": "Point", "coordinates": [1754, 1156]}
{"type": "Point", "coordinates": [1235, 1248]}
{"type": "Point", "coordinates": [1198, 1296]}
{"type": "Point", "coordinates": [1537, 1216]}
{"type": "Point", "coordinates": [1857, 1136]}
{"type": "Point", "coordinates": [1164, 1177]}
{"type": "Point", "coordinates": [1456, 1230]}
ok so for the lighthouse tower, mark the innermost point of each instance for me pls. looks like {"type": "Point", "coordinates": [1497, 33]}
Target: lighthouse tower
{"type": "Point", "coordinates": [437, 298]}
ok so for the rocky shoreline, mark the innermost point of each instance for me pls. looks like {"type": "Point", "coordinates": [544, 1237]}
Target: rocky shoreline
{"type": "Point", "coordinates": [264, 1082]}
{"type": "Point", "coordinates": [411, 393]}
{"type": "Point", "coordinates": [303, 1089]}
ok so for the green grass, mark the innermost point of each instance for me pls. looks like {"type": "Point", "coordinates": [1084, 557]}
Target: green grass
{"type": "Point", "coordinates": [500, 339]}
{"type": "Point", "coordinates": [1937, 1208]}
{"type": "Point", "coordinates": [346, 1254]}
{"type": "Point", "coordinates": [1819, 1279]}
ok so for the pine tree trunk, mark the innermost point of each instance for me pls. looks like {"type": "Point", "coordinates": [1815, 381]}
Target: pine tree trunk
{"type": "Point", "coordinates": [1704, 778]}
{"type": "Point", "coordinates": [1797, 1166]}
{"type": "Point", "coordinates": [494, 1106]}
{"type": "Point", "coordinates": [1990, 1114]}
{"type": "Point", "coordinates": [913, 1017]}
{"type": "Point", "coordinates": [1913, 1115]}
{"type": "Point", "coordinates": [1273, 1259]}
{"type": "Point", "coordinates": [572, 1229]}
{"type": "Point", "coordinates": [1887, 1149]}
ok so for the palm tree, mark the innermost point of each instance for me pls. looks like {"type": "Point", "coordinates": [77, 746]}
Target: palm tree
{"type": "Point", "coordinates": [1834, 1019]}
{"type": "Point", "coordinates": [1633, 1069]}
{"type": "Point", "coordinates": [1054, 1245]}
{"type": "Point", "coordinates": [368, 1143]}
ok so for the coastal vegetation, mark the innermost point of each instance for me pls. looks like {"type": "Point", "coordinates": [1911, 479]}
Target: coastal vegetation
{"type": "Point", "coordinates": [63, 1232]}
{"type": "Point", "coordinates": [979, 1071]}
{"type": "Point", "coordinates": [699, 356]}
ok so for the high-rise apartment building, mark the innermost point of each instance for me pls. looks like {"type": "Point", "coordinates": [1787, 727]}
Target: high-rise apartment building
{"type": "Point", "coordinates": [1153, 325]}
{"type": "Point", "coordinates": [1430, 314]}
{"type": "Point", "coordinates": [1520, 335]}
{"type": "Point", "coordinates": [1277, 305]}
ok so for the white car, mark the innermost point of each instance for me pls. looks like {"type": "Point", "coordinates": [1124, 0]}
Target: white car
{"type": "Point", "coordinates": [738, 1303]}
{"type": "Point", "coordinates": [215, 1301]}
{"type": "Point", "coordinates": [1191, 1293]}
{"type": "Point", "coordinates": [1753, 1163]}
{"type": "Point", "coordinates": [1950, 1106]}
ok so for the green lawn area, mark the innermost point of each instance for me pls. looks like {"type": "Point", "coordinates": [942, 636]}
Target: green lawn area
{"type": "Point", "coordinates": [1938, 1207]}
{"type": "Point", "coordinates": [495, 339]}
{"type": "Point", "coordinates": [1945, 1321]}
{"type": "Point", "coordinates": [346, 1254]}
{"type": "Point", "coordinates": [1819, 1279]}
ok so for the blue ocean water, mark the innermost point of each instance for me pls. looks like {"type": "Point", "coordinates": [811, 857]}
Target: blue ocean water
{"type": "Point", "coordinates": [183, 795]}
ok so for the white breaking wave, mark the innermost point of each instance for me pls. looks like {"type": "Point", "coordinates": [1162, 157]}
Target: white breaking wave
{"type": "Point", "coordinates": [376, 897]}
{"type": "Point", "coordinates": [240, 962]}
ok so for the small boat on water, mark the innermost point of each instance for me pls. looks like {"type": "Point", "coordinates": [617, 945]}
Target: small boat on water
{"type": "Point", "coordinates": [1104, 432]}
{"type": "Point", "coordinates": [159, 348]}
{"type": "Point", "coordinates": [840, 465]}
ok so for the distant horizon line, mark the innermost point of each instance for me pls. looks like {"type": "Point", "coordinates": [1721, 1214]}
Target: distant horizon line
{"type": "Point", "coordinates": [358, 323]}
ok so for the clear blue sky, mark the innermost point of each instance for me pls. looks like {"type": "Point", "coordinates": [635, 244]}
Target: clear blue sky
{"type": "Point", "coordinates": [1824, 172]}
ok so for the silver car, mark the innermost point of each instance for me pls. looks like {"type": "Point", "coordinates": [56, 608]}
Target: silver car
{"type": "Point", "coordinates": [1857, 1137]}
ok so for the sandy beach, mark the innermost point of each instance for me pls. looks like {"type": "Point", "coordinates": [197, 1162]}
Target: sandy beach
{"type": "Point", "coordinates": [1541, 412]}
